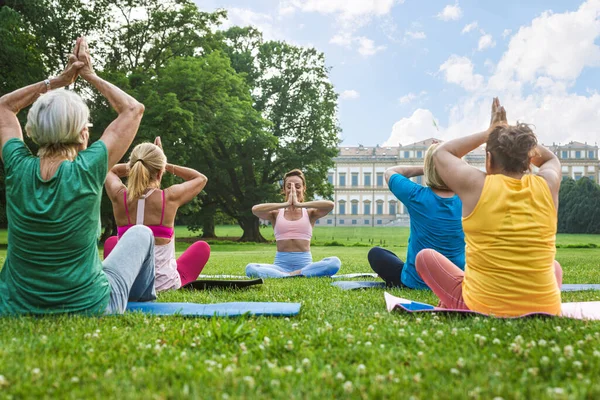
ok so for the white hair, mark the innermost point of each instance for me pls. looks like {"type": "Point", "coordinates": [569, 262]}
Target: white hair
{"type": "Point", "coordinates": [55, 122]}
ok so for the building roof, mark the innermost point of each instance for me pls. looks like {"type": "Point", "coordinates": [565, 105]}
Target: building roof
{"type": "Point", "coordinates": [573, 145]}
{"type": "Point", "coordinates": [394, 151]}
{"type": "Point", "coordinates": [422, 143]}
{"type": "Point", "coordinates": [365, 151]}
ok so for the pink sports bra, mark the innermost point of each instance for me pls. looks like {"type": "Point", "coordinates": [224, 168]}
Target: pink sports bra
{"type": "Point", "coordinates": [298, 229]}
{"type": "Point", "coordinates": [159, 231]}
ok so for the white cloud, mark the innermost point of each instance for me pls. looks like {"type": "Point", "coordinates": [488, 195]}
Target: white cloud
{"type": "Point", "coordinates": [346, 9]}
{"type": "Point", "coordinates": [366, 47]}
{"type": "Point", "coordinates": [532, 79]}
{"type": "Point", "coordinates": [344, 40]}
{"type": "Point", "coordinates": [350, 15]}
{"type": "Point", "coordinates": [469, 27]}
{"type": "Point", "coordinates": [459, 70]}
{"type": "Point", "coordinates": [409, 130]}
{"type": "Point", "coordinates": [506, 33]}
{"type": "Point", "coordinates": [556, 45]}
{"type": "Point", "coordinates": [486, 41]}
{"type": "Point", "coordinates": [286, 8]}
{"type": "Point", "coordinates": [246, 17]}
{"type": "Point", "coordinates": [408, 98]}
{"type": "Point", "coordinates": [415, 35]}
{"type": "Point", "coordinates": [450, 12]}
{"type": "Point", "coordinates": [349, 95]}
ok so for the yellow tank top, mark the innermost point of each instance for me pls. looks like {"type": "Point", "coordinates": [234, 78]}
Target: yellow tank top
{"type": "Point", "coordinates": [510, 248]}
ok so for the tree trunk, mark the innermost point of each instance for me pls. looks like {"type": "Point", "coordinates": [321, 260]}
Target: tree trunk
{"type": "Point", "coordinates": [208, 227]}
{"type": "Point", "coordinates": [251, 228]}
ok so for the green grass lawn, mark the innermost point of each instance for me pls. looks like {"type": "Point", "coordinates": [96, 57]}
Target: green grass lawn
{"type": "Point", "coordinates": [342, 345]}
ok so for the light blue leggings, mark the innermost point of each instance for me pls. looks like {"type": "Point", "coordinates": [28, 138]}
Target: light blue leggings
{"type": "Point", "coordinates": [130, 269]}
{"type": "Point", "coordinates": [286, 262]}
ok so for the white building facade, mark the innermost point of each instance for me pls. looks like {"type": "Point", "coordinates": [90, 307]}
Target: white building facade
{"type": "Point", "coordinates": [362, 198]}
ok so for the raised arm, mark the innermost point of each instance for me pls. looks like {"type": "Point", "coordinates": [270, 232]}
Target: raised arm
{"type": "Point", "coordinates": [266, 210]}
{"type": "Point", "coordinates": [318, 208]}
{"type": "Point", "coordinates": [12, 103]}
{"type": "Point", "coordinates": [407, 172]}
{"type": "Point", "coordinates": [183, 193]}
{"type": "Point", "coordinates": [121, 132]}
{"type": "Point", "coordinates": [549, 169]}
{"type": "Point", "coordinates": [113, 184]}
{"type": "Point", "coordinates": [466, 181]}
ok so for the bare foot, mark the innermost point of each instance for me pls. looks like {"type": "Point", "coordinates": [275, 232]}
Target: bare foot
{"type": "Point", "coordinates": [296, 273]}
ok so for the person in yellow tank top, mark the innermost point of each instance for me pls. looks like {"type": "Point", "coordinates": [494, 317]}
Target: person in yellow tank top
{"type": "Point", "coordinates": [509, 220]}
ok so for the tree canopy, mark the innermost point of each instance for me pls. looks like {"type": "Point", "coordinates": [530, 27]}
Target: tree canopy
{"type": "Point", "coordinates": [239, 109]}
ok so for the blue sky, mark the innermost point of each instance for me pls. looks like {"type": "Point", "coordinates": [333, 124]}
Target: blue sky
{"type": "Point", "coordinates": [399, 65]}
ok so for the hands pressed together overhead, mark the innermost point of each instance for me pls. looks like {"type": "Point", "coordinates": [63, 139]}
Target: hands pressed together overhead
{"type": "Point", "coordinates": [80, 64]}
{"type": "Point", "coordinates": [498, 115]}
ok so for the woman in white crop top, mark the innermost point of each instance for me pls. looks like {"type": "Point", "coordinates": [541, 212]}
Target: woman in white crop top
{"type": "Point", "coordinates": [293, 222]}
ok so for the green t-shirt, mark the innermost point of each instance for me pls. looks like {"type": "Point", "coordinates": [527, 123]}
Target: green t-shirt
{"type": "Point", "coordinates": [52, 263]}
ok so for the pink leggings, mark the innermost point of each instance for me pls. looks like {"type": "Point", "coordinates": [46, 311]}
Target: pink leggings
{"type": "Point", "coordinates": [189, 264]}
{"type": "Point", "coordinates": [445, 279]}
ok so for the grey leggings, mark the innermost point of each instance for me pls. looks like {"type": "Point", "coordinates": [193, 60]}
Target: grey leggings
{"type": "Point", "coordinates": [130, 269]}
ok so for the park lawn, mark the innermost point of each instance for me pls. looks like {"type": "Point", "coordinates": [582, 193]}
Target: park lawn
{"type": "Point", "coordinates": [343, 344]}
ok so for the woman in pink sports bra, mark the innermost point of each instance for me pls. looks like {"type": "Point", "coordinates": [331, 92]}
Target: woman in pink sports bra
{"type": "Point", "coordinates": [142, 202]}
{"type": "Point", "coordinates": [293, 223]}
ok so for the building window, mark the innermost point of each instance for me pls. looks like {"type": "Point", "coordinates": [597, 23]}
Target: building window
{"type": "Point", "coordinates": [578, 176]}
{"type": "Point", "coordinates": [342, 207]}
{"type": "Point", "coordinates": [380, 207]}
{"type": "Point", "coordinates": [393, 207]}
{"type": "Point", "coordinates": [366, 222]}
{"type": "Point", "coordinates": [406, 154]}
{"type": "Point", "coordinates": [342, 179]}
{"type": "Point", "coordinates": [378, 222]}
{"type": "Point", "coordinates": [419, 154]}
{"type": "Point", "coordinates": [367, 206]}
{"type": "Point", "coordinates": [317, 222]}
{"type": "Point", "coordinates": [341, 222]}
{"type": "Point", "coordinates": [354, 207]}
{"type": "Point", "coordinates": [379, 179]}
{"type": "Point", "coordinates": [353, 222]}
{"type": "Point", "coordinates": [565, 154]}
{"type": "Point", "coordinates": [354, 179]}
{"type": "Point", "coordinates": [329, 222]}
{"type": "Point", "coordinates": [565, 177]}
{"type": "Point", "coordinates": [578, 154]}
{"type": "Point", "coordinates": [591, 154]}
{"type": "Point", "coordinates": [420, 180]}
{"type": "Point", "coordinates": [367, 179]}
{"type": "Point", "coordinates": [330, 178]}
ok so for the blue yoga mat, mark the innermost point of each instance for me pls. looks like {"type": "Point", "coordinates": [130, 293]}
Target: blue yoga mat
{"type": "Point", "coordinates": [574, 287]}
{"type": "Point", "coordinates": [353, 285]}
{"type": "Point", "coordinates": [220, 310]}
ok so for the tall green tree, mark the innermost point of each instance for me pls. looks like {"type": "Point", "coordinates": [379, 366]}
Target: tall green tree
{"type": "Point", "coordinates": [579, 206]}
{"type": "Point", "coordinates": [56, 24]}
{"type": "Point", "coordinates": [228, 131]}
{"type": "Point", "coordinates": [20, 65]}
{"type": "Point", "coordinates": [146, 34]}
{"type": "Point", "coordinates": [291, 89]}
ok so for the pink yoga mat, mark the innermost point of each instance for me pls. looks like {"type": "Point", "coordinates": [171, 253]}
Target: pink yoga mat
{"type": "Point", "coordinates": [583, 310]}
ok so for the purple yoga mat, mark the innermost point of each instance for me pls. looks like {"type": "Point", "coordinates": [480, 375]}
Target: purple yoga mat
{"type": "Point", "coordinates": [589, 310]}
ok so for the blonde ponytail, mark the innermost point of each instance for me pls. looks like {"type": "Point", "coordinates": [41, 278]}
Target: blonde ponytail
{"type": "Point", "coordinates": [145, 163]}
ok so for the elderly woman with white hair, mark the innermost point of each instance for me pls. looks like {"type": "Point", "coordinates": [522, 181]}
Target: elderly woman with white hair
{"type": "Point", "coordinates": [53, 201]}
